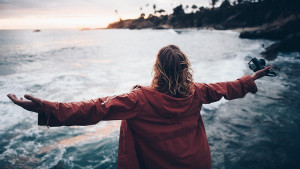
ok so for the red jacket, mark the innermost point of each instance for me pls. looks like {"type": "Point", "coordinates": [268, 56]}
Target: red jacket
{"type": "Point", "coordinates": [157, 131]}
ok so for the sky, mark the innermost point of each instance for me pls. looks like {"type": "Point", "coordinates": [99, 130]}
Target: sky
{"type": "Point", "coordinates": [77, 14]}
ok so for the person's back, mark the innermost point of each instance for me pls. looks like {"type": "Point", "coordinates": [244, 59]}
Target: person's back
{"type": "Point", "coordinates": [162, 126]}
{"type": "Point", "coordinates": [169, 132]}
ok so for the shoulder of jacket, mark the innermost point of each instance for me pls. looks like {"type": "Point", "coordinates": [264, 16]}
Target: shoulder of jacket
{"type": "Point", "coordinates": [199, 85]}
{"type": "Point", "coordinates": [137, 90]}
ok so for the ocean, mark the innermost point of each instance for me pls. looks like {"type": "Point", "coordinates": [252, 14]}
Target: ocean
{"type": "Point", "coordinates": [258, 131]}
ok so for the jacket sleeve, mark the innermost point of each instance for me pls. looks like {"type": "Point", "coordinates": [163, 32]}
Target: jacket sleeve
{"type": "Point", "coordinates": [89, 112]}
{"type": "Point", "coordinates": [229, 90]}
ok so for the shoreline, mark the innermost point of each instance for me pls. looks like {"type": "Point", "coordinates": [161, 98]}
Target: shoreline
{"type": "Point", "coordinates": [268, 19]}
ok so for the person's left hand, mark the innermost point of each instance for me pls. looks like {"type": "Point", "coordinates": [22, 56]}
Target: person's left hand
{"type": "Point", "coordinates": [261, 73]}
{"type": "Point", "coordinates": [32, 104]}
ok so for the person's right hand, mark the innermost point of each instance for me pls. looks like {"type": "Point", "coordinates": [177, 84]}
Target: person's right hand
{"type": "Point", "coordinates": [32, 104]}
{"type": "Point", "coordinates": [261, 73]}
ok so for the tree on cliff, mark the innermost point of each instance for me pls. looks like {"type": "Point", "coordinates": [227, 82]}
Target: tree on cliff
{"type": "Point", "coordinates": [177, 11]}
{"type": "Point", "coordinates": [213, 3]}
{"type": "Point", "coordinates": [194, 7]}
{"type": "Point", "coordinates": [225, 4]}
{"type": "Point", "coordinates": [142, 15]}
{"type": "Point", "coordinates": [178, 17]}
{"type": "Point", "coordinates": [161, 11]}
{"type": "Point", "coordinates": [154, 8]}
{"type": "Point", "coordinates": [117, 13]}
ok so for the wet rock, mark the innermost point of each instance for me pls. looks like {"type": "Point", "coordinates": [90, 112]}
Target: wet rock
{"type": "Point", "coordinates": [276, 31]}
{"type": "Point", "coordinates": [290, 44]}
{"type": "Point", "coordinates": [287, 31]}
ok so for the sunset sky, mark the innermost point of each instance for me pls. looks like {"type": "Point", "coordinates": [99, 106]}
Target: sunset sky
{"type": "Point", "coordinates": [39, 14]}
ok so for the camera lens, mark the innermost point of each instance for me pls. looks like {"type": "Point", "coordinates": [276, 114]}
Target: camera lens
{"type": "Point", "coordinates": [252, 66]}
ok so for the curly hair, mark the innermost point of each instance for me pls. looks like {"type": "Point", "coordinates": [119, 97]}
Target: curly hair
{"type": "Point", "coordinates": [172, 72]}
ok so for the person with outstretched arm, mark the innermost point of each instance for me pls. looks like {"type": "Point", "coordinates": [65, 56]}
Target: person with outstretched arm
{"type": "Point", "coordinates": [161, 123]}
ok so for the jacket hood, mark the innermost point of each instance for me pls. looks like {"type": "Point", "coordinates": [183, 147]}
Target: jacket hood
{"type": "Point", "coordinates": [168, 106]}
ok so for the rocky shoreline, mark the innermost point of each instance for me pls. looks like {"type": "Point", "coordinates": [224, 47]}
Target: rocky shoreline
{"type": "Point", "coordinates": [267, 19]}
{"type": "Point", "coordinates": [287, 31]}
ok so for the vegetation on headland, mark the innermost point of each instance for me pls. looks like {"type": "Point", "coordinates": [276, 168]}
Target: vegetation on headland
{"type": "Point", "coordinates": [267, 19]}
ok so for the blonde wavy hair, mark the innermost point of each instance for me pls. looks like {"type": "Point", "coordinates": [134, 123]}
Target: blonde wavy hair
{"type": "Point", "coordinates": [172, 73]}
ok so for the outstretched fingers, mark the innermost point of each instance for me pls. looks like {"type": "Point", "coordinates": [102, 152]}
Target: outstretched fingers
{"type": "Point", "coordinates": [268, 68]}
{"type": "Point", "coordinates": [34, 99]}
{"type": "Point", "coordinates": [13, 98]}
{"type": "Point", "coordinates": [32, 104]}
{"type": "Point", "coordinates": [261, 73]}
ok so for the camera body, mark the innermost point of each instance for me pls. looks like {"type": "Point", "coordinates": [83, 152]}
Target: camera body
{"type": "Point", "coordinates": [257, 65]}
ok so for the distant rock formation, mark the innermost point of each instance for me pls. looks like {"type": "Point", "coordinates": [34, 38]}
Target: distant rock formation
{"type": "Point", "coordinates": [37, 30]}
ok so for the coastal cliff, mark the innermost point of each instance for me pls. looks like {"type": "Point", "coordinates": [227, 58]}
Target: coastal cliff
{"type": "Point", "coordinates": [267, 19]}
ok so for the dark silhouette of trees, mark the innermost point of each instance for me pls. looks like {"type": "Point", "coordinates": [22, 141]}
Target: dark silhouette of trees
{"type": "Point", "coordinates": [177, 11]}
{"type": "Point", "coordinates": [194, 7]}
{"type": "Point", "coordinates": [179, 17]}
{"type": "Point", "coordinates": [201, 8]}
{"type": "Point", "coordinates": [187, 7]}
{"type": "Point", "coordinates": [142, 15]}
{"type": "Point", "coordinates": [141, 9]}
{"type": "Point", "coordinates": [213, 3]}
{"type": "Point", "coordinates": [161, 11]}
{"type": "Point", "coordinates": [150, 16]}
{"type": "Point", "coordinates": [117, 13]}
{"type": "Point", "coordinates": [239, 1]}
{"type": "Point", "coordinates": [225, 4]}
{"type": "Point", "coordinates": [154, 8]}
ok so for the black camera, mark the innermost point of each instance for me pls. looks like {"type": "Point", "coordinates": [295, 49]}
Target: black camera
{"type": "Point", "coordinates": [257, 65]}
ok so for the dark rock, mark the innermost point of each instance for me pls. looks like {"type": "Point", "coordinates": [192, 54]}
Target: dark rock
{"type": "Point", "coordinates": [276, 31]}
{"type": "Point", "coordinates": [59, 165]}
{"type": "Point", "coordinates": [286, 30]}
{"type": "Point", "coordinates": [290, 44]}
